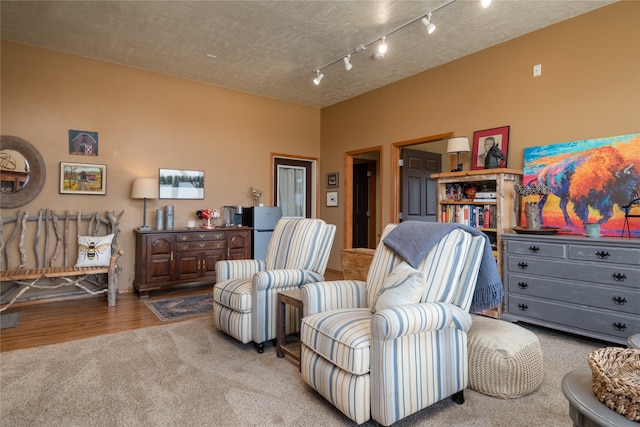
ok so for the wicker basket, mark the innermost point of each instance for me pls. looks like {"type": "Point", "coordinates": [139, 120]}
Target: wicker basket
{"type": "Point", "coordinates": [616, 379]}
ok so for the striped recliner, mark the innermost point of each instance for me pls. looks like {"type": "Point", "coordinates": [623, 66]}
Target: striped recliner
{"type": "Point", "coordinates": [399, 360]}
{"type": "Point", "coordinates": [246, 291]}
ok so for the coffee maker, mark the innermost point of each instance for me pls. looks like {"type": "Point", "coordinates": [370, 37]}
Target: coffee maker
{"type": "Point", "coordinates": [232, 216]}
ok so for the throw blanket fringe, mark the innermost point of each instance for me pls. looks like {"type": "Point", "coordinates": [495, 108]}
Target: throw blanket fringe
{"type": "Point", "coordinates": [412, 241]}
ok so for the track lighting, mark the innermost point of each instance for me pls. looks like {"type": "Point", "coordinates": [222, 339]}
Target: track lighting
{"type": "Point", "coordinates": [382, 41]}
{"type": "Point", "coordinates": [319, 77]}
{"type": "Point", "coordinates": [431, 27]}
{"type": "Point", "coordinates": [347, 64]}
{"type": "Point", "coordinates": [382, 49]}
{"type": "Point", "coordinates": [485, 3]}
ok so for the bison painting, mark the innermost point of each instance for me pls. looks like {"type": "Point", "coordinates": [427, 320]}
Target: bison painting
{"type": "Point", "coordinates": [589, 184]}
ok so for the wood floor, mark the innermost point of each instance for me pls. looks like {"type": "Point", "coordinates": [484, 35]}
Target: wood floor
{"type": "Point", "coordinates": [61, 321]}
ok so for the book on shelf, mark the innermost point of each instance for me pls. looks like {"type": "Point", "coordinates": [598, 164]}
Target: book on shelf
{"type": "Point", "coordinates": [472, 215]}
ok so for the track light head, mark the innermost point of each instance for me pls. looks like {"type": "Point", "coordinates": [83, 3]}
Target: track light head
{"type": "Point", "coordinates": [318, 78]}
{"type": "Point", "coordinates": [431, 27]}
{"type": "Point", "coordinates": [485, 3]}
{"type": "Point", "coordinates": [347, 64]}
{"type": "Point", "coordinates": [382, 49]}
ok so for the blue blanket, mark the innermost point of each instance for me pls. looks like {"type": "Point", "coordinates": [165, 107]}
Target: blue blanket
{"type": "Point", "coordinates": [412, 241]}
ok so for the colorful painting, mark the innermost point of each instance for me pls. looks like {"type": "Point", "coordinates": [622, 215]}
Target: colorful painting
{"type": "Point", "coordinates": [590, 180]}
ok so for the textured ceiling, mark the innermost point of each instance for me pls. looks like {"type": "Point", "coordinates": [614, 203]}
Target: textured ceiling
{"type": "Point", "coordinates": [271, 48]}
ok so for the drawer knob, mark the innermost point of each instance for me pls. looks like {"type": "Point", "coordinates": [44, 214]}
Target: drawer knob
{"type": "Point", "coordinates": [534, 249]}
{"type": "Point", "coordinates": [523, 285]}
{"type": "Point", "coordinates": [602, 254]}
{"type": "Point", "coordinates": [619, 326]}
{"type": "Point", "coordinates": [523, 307]}
{"type": "Point", "coordinates": [523, 265]}
{"type": "Point", "coordinates": [619, 300]}
{"type": "Point", "coordinates": [184, 238]}
{"type": "Point", "coordinates": [619, 277]}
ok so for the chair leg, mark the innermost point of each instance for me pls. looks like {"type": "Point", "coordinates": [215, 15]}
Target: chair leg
{"type": "Point", "coordinates": [259, 347]}
{"type": "Point", "coordinates": [458, 397]}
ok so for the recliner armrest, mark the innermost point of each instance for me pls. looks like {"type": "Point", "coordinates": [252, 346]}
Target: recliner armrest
{"type": "Point", "coordinates": [409, 319]}
{"type": "Point", "coordinates": [238, 268]}
{"type": "Point", "coordinates": [284, 278]}
{"type": "Point", "coordinates": [332, 295]}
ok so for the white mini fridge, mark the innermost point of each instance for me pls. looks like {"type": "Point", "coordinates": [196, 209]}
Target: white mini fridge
{"type": "Point", "coordinates": [263, 219]}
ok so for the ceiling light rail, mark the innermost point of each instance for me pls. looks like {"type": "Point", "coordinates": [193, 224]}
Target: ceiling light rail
{"type": "Point", "coordinates": [346, 58]}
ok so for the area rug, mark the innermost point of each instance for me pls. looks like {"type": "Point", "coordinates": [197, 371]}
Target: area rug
{"type": "Point", "coordinates": [181, 308]}
{"type": "Point", "coordinates": [10, 320]}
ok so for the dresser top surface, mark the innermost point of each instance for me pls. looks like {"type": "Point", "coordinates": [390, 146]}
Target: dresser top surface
{"type": "Point", "coordinates": [633, 242]}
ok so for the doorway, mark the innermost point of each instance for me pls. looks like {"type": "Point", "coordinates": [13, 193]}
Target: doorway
{"type": "Point", "coordinates": [362, 198]}
{"type": "Point", "coordinates": [294, 183]}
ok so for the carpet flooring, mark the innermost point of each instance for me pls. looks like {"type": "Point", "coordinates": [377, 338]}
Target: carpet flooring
{"type": "Point", "coordinates": [189, 373]}
{"type": "Point", "coordinates": [10, 320]}
{"type": "Point", "coordinates": [181, 308]}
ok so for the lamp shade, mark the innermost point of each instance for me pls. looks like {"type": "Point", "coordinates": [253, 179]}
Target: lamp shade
{"type": "Point", "coordinates": [459, 144]}
{"type": "Point", "coordinates": [144, 188]}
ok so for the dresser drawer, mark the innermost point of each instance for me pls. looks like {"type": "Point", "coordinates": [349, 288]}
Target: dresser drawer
{"type": "Point", "coordinates": [580, 271]}
{"type": "Point", "coordinates": [608, 297]}
{"type": "Point", "coordinates": [585, 319]}
{"type": "Point", "coordinates": [537, 249]}
{"type": "Point", "coordinates": [203, 245]}
{"type": "Point", "coordinates": [196, 237]}
{"type": "Point", "coordinates": [605, 254]}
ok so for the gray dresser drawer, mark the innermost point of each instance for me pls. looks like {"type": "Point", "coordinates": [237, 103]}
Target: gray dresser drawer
{"type": "Point", "coordinates": [589, 272]}
{"type": "Point", "coordinates": [607, 297]}
{"type": "Point", "coordinates": [586, 319]}
{"type": "Point", "coordinates": [536, 249]}
{"type": "Point", "coordinates": [606, 254]}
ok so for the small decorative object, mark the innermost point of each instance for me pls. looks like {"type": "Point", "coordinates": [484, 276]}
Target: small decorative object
{"type": "Point", "coordinates": [491, 143]}
{"type": "Point", "coordinates": [531, 195]}
{"type": "Point", "coordinates": [332, 180]}
{"type": "Point", "coordinates": [256, 194]}
{"type": "Point", "coordinates": [470, 192]}
{"type": "Point", "coordinates": [208, 215]}
{"type": "Point", "coordinates": [191, 224]}
{"type": "Point", "coordinates": [458, 193]}
{"type": "Point", "coordinates": [168, 213]}
{"type": "Point", "coordinates": [159, 219]}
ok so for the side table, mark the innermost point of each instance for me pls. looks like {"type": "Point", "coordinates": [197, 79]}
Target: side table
{"type": "Point", "coordinates": [585, 409]}
{"type": "Point", "coordinates": [294, 299]}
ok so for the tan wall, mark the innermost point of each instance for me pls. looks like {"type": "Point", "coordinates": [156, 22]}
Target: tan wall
{"type": "Point", "coordinates": [589, 88]}
{"type": "Point", "coordinates": [146, 121]}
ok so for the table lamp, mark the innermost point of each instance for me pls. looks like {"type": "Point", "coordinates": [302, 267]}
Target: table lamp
{"type": "Point", "coordinates": [459, 144]}
{"type": "Point", "coordinates": [144, 188]}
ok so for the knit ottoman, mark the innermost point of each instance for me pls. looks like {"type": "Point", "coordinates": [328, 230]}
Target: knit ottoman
{"type": "Point", "coordinates": [505, 360]}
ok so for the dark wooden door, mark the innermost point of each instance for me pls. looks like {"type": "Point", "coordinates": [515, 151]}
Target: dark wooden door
{"type": "Point", "coordinates": [362, 209]}
{"type": "Point", "coordinates": [419, 190]}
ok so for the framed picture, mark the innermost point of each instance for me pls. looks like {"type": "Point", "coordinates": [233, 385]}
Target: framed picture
{"type": "Point", "coordinates": [332, 198]}
{"type": "Point", "coordinates": [83, 142]}
{"type": "Point", "coordinates": [332, 180]}
{"type": "Point", "coordinates": [181, 184]}
{"type": "Point", "coordinates": [490, 148]}
{"type": "Point", "coordinates": [83, 178]}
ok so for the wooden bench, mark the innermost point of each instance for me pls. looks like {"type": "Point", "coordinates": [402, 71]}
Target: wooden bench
{"type": "Point", "coordinates": [52, 243]}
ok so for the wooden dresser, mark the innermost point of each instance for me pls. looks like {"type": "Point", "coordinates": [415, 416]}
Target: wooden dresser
{"type": "Point", "coordinates": [587, 286]}
{"type": "Point", "coordinates": [172, 258]}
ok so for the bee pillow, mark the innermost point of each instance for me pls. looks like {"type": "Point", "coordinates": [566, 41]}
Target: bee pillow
{"type": "Point", "coordinates": [94, 251]}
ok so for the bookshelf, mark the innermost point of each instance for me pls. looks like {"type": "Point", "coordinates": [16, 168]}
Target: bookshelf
{"type": "Point", "coordinates": [493, 216]}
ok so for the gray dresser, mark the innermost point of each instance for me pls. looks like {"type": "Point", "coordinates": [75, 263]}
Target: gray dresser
{"type": "Point", "coordinates": [586, 286]}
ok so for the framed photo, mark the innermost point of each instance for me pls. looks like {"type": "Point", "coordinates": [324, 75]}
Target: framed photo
{"type": "Point", "coordinates": [181, 184]}
{"type": "Point", "coordinates": [83, 178]}
{"type": "Point", "coordinates": [332, 198]}
{"type": "Point", "coordinates": [485, 142]}
{"type": "Point", "coordinates": [83, 142]}
{"type": "Point", "coordinates": [332, 180]}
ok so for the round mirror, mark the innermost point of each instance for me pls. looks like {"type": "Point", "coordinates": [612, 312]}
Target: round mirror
{"type": "Point", "coordinates": [22, 172]}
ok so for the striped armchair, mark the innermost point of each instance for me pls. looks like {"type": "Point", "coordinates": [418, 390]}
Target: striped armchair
{"type": "Point", "coordinates": [246, 293]}
{"type": "Point", "coordinates": [394, 362]}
